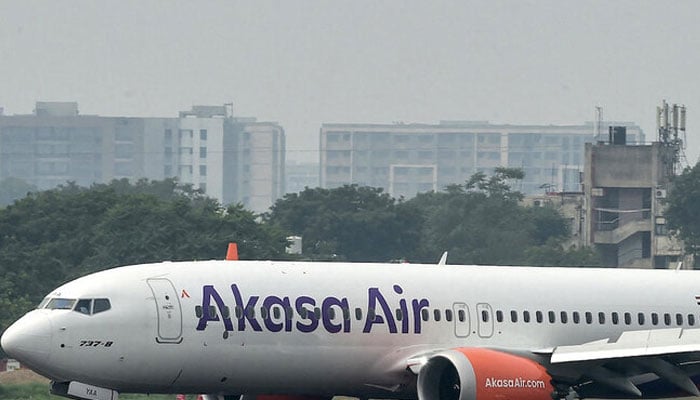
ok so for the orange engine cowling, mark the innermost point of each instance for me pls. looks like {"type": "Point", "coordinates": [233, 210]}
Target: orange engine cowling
{"type": "Point", "coordinates": [482, 374]}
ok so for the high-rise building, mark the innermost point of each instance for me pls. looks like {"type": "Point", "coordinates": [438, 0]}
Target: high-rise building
{"type": "Point", "coordinates": [406, 159]}
{"type": "Point", "coordinates": [230, 159]}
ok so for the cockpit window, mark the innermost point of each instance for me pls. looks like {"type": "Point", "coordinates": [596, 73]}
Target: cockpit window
{"type": "Point", "coordinates": [92, 306]}
{"type": "Point", "coordinates": [101, 305]}
{"type": "Point", "coordinates": [43, 303]}
{"type": "Point", "coordinates": [84, 306]}
{"type": "Point", "coordinates": [60, 304]}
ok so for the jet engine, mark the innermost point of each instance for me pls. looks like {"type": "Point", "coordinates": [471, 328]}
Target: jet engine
{"type": "Point", "coordinates": [482, 374]}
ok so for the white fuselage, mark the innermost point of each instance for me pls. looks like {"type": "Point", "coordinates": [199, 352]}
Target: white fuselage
{"type": "Point", "coordinates": [327, 328]}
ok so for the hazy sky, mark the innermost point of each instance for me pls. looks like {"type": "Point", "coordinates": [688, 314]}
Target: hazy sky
{"type": "Point", "coordinates": [308, 62]}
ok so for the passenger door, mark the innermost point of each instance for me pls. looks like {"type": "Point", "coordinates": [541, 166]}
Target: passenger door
{"type": "Point", "coordinates": [169, 312]}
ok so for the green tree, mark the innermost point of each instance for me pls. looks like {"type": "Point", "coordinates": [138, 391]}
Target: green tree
{"type": "Point", "coordinates": [483, 222]}
{"type": "Point", "coordinates": [350, 222]}
{"type": "Point", "coordinates": [554, 254]}
{"type": "Point", "coordinates": [683, 212]}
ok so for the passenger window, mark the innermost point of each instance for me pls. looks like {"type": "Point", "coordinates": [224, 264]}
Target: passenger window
{"type": "Point", "coordinates": [526, 316]}
{"type": "Point", "coordinates": [654, 318]}
{"type": "Point", "coordinates": [679, 319]}
{"type": "Point", "coordinates": [83, 306]}
{"type": "Point", "coordinates": [198, 311]}
{"type": "Point", "coordinates": [424, 314]}
{"type": "Point", "coordinates": [358, 314]}
{"type": "Point", "coordinates": [370, 314]}
{"type": "Point", "coordinates": [484, 316]}
{"type": "Point", "coordinates": [513, 316]}
{"type": "Point", "coordinates": [331, 313]}
{"type": "Point", "coordinates": [276, 312]}
{"type": "Point", "coordinates": [212, 312]}
{"type": "Point", "coordinates": [346, 314]}
{"type": "Point", "coordinates": [448, 315]}
{"type": "Point", "coordinates": [564, 317]}
{"type": "Point", "coordinates": [317, 313]}
{"type": "Point", "coordinates": [399, 314]}
{"type": "Point", "coordinates": [436, 314]}
{"type": "Point", "coordinates": [601, 318]}
{"type": "Point", "coordinates": [499, 316]}
{"type": "Point", "coordinates": [250, 312]}
{"type": "Point", "coordinates": [288, 313]}
{"type": "Point", "coordinates": [552, 316]}
{"type": "Point", "coordinates": [226, 312]}
{"type": "Point", "coordinates": [461, 315]}
{"type": "Point", "coordinates": [691, 319]}
{"type": "Point", "coordinates": [303, 313]}
{"type": "Point", "coordinates": [100, 305]}
{"type": "Point", "coordinates": [628, 318]}
{"type": "Point", "coordinates": [263, 312]}
{"type": "Point", "coordinates": [640, 318]}
{"type": "Point", "coordinates": [238, 310]}
{"type": "Point", "coordinates": [667, 318]}
{"type": "Point", "coordinates": [615, 318]}
{"type": "Point", "coordinates": [539, 317]}
{"type": "Point", "coordinates": [576, 317]}
{"type": "Point", "coordinates": [589, 317]}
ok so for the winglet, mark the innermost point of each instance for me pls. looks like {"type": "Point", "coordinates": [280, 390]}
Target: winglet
{"type": "Point", "coordinates": [443, 259]}
{"type": "Point", "coordinates": [232, 252]}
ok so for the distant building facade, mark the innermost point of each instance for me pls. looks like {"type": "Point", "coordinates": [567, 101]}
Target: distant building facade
{"type": "Point", "coordinates": [301, 175]}
{"type": "Point", "coordinates": [406, 159]}
{"type": "Point", "coordinates": [230, 159]}
{"type": "Point", "coordinates": [625, 190]}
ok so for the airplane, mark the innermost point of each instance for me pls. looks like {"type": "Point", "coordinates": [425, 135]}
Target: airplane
{"type": "Point", "coordinates": [271, 330]}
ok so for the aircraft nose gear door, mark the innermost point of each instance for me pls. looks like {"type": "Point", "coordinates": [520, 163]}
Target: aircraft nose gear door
{"type": "Point", "coordinates": [168, 311]}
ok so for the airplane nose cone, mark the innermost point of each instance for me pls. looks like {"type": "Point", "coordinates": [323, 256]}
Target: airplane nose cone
{"type": "Point", "coordinates": [29, 339]}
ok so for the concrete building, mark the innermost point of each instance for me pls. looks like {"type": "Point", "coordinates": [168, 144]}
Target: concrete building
{"type": "Point", "coordinates": [301, 175]}
{"type": "Point", "coordinates": [625, 190]}
{"type": "Point", "coordinates": [405, 159]}
{"type": "Point", "coordinates": [261, 161]}
{"type": "Point", "coordinates": [230, 159]}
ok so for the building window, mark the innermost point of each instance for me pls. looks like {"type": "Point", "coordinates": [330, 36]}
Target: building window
{"type": "Point", "coordinates": [123, 135]}
{"type": "Point", "coordinates": [123, 150]}
{"type": "Point", "coordinates": [122, 169]}
{"type": "Point", "coordinates": [202, 170]}
{"type": "Point", "coordinates": [202, 134]}
{"type": "Point", "coordinates": [186, 133]}
{"type": "Point", "coordinates": [202, 152]}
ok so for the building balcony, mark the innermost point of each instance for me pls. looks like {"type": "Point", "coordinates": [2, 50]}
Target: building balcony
{"type": "Point", "coordinates": [620, 232]}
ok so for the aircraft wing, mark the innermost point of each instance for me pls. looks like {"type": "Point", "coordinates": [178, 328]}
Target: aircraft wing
{"type": "Point", "coordinates": [632, 344]}
{"type": "Point", "coordinates": [671, 356]}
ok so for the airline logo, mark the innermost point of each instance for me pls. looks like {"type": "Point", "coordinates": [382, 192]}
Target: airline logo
{"type": "Point", "coordinates": [515, 383]}
{"type": "Point", "coordinates": [331, 314]}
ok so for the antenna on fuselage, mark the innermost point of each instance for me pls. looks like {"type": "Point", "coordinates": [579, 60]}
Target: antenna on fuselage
{"type": "Point", "coordinates": [443, 259]}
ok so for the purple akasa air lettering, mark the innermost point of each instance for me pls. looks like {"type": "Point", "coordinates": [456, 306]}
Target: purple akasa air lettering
{"type": "Point", "coordinates": [309, 320]}
{"type": "Point", "coordinates": [384, 313]}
